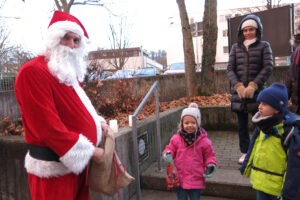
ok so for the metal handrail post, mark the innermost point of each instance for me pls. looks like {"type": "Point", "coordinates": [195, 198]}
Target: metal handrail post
{"type": "Point", "coordinates": [138, 110]}
{"type": "Point", "coordinates": [158, 129]}
{"type": "Point", "coordinates": [135, 137]}
{"type": "Point", "coordinates": [136, 158]}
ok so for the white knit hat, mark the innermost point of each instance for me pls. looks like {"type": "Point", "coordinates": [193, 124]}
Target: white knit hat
{"type": "Point", "coordinates": [249, 22]}
{"type": "Point", "coordinates": [192, 110]}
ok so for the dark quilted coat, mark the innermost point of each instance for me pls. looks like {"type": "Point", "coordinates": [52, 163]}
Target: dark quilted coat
{"type": "Point", "coordinates": [293, 82]}
{"type": "Point", "coordinates": [244, 66]}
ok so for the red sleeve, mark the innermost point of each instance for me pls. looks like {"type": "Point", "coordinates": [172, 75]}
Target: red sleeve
{"type": "Point", "coordinates": [39, 114]}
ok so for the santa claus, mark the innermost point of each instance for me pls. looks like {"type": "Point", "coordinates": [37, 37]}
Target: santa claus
{"type": "Point", "coordinates": [61, 126]}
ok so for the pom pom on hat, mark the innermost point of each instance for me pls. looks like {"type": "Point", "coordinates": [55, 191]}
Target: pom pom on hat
{"type": "Point", "coordinates": [276, 96]}
{"type": "Point", "coordinates": [192, 110]}
{"type": "Point", "coordinates": [249, 22]}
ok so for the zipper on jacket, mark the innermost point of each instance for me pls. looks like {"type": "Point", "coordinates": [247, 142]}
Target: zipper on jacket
{"type": "Point", "coordinates": [266, 171]}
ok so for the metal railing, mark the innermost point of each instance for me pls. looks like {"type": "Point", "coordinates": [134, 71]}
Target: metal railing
{"type": "Point", "coordinates": [135, 137]}
{"type": "Point", "coordinates": [7, 82]}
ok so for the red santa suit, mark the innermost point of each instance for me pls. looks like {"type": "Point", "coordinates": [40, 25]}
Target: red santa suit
{"type": "Point", "coordinates": [61, 118]}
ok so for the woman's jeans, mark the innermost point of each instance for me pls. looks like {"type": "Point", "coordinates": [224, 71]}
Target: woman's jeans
{"type": "Point", "coordinates": [263, 196]}
{"type": "Point", "coordinates": [244, 138]}
{"type": "Point", "coordinates": [194, 194]}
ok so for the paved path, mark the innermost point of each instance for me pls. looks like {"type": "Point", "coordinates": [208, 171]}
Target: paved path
{"type": "Point", "coordinates": [164, 195]}
{"type": "Point", "coordinates": [226, 145]}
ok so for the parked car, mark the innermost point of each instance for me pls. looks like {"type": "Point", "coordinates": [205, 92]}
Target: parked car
{"type": "Point", "coordinates": [176, 68]}
{"type": "Point", "coordinates": [146, 71]}
{"type": "Point", "coordinates": [123, 73]}
{"type": "Point", "coordinates": [105, 74]}
{"type": "Point", "coordinates": [93, 76]}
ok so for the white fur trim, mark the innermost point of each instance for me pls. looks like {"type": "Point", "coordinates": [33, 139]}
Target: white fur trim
{"type": "Point", "coordinates": [86, 101]}
{"type": "Point", "coordinates": [44, 169]}
{"type": "Point", "coordinates": [62, 27]}
{"type": "Point", "coordinates": [257, 117]}
{"type": "Point", "coordinates": [78, 157]}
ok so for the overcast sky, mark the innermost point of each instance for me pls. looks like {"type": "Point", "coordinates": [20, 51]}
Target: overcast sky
{"type": "Point", "coordinates": [147, 20]}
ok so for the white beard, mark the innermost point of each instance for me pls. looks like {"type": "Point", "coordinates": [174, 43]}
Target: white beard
{"type": "Point", "coordinates": [67, 65]}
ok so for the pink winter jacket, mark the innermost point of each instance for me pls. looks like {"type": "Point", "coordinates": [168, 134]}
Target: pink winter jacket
{"type": "Point", "coordinates": [190, 161]}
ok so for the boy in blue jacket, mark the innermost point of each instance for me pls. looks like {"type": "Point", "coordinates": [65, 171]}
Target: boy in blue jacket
{"type": "Point", "coordinates": [273, 158]}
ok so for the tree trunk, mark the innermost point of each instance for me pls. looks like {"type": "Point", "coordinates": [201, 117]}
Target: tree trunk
{"type": "Point", "coordinates": [189, 56]}
{"type": "Point", "coordinates": [210, 35]}
{"type": "Point", "coordinates": [64, 5]}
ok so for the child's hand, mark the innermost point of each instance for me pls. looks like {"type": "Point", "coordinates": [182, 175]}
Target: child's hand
{"type": "Point", "coordinates": [168, 157]}
{"type": "Point", "coordinates": [209, 171]}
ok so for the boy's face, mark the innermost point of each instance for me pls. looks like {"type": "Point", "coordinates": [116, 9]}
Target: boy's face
{"type": "Point", "coordinates": [266, 110]}
{"type": "Point", "coordinates": [189, 124]}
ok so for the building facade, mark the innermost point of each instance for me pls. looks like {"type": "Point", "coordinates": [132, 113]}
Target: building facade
{"type": "Point", "coordinates": [128, 58]}
{"type": "Point", "coordinates": [175, 48]}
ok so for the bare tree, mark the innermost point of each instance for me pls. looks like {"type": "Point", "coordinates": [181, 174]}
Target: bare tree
{"type": "Point", "coordinates": [160, 56]}
{"type": "Point", "coordinates": [5, 48]}
{"type": "Point", "coordinates": [65, 5]}
{"type": "Point", "coordinates": [2, 2]}
{"type": "Point", "coordinates": [272, 3]}
{"type": "Point", "coordinates": [95, 67]}
{"type": "Point", "coordinates": [188, 48]}
{"type": "Point", "coordinates": [210, 35]}
{"type": "Point", "coordinates": [119, 42]}
{"type": "Point", "coordinates": [12, 56]}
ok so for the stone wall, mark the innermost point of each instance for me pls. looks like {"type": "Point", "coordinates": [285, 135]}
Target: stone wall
{"type": "Point", "coordinates": [9, 106]}
{"type": "Point", "coordinates": [171, 87]}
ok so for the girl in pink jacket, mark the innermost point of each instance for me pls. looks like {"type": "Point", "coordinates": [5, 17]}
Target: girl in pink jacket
{"type": "Point", "coordinates": [193, 154]}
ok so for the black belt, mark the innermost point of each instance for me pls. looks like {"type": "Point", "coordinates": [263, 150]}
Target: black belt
{"type": "Point", "coordinates": [43, 153]}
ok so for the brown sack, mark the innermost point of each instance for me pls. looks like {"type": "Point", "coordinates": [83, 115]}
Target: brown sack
{"type": "Point", "coordinates": [108, 175]}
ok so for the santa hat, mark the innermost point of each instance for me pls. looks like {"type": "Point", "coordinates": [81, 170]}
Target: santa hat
{"type": "Point", "coordinates": [249, 22]}
{"type": "Point", "coordinates": [192, 110]}
{"type": "Point", "coordinates": [60, 24]}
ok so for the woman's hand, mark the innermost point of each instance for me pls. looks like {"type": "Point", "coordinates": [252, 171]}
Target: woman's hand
{"type": "Point", "coordinates": [240, 88]}
{"type": "Point", "coordinates": [249, 91]}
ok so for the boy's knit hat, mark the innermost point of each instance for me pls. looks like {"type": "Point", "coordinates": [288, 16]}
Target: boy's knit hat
{"type": "Point", "coordinates": [192, 110]}
{"type": "Point", "coordinates": [276, 96]}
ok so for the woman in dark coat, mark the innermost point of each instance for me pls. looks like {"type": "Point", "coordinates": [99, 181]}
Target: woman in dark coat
{"type": "Point", "coordinates": [293, 78]}
{"type": "Point", "coordinates": [250, 65]}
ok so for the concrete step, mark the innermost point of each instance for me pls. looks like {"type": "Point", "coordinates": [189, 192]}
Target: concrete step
{"type": "Point", "coordinates": [167, 195]}
{"type": "Point", "coordinates": [226, 183]}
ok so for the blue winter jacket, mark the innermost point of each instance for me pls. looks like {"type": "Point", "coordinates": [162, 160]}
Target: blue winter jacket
{"type": "Point", "coordinates": [291, 142]}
